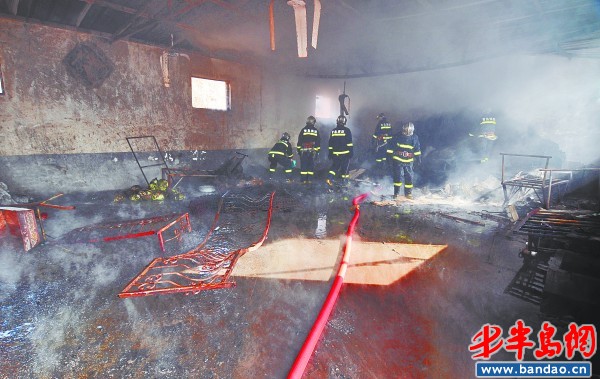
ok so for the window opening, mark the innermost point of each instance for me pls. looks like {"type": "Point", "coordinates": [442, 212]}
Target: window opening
{"type": "Point", "coordinates": [211, 94]}
{"type": "Point", "coordinates": [1, 82]}
{"type": "Point", "coordinates": [323, 107]}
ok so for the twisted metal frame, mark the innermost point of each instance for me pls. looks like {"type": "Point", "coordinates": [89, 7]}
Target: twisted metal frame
{"type": "Point", "coordinates": [210, 264]}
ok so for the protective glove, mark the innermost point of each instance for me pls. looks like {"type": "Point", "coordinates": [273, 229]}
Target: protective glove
{"type": "Point", "coordinates": [293, 163]}
{"type": "Point", "coordinates": [418, 161]}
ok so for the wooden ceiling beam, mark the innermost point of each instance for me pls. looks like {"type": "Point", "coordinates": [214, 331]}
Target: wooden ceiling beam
{"type": "Point", "coordinates": [127, 30]}
{"type": "Point", "coordinates": [131, 31]}
{"type": "Point", "coordinates": [83, 13]}
{"type": "Point", "coordinates": [225, 5]}
{"type": "Point", "coordinates": [189, 7]}
{"type": "Point", "coordinates": [133, 19]}
{"type": "Point", "coordinates": [13, 6]}
{"type": "Point", "coordinates": [56, 25]}
{"type": "Point", "coordinates": [108, 4]}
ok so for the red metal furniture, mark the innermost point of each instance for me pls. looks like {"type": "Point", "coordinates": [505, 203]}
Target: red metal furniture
{"type": "Point", "coordinates": [20, 222]}
{"type": "Point", "coordinates": [240, 225]}
{"type": "Point", "coordinates": [23, 220]}
{"type": "Point", "coordinates": [166, 228]}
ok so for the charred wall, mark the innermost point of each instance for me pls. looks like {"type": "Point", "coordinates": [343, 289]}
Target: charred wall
{"type": "Point", "coordinates": [64, 128]}
{"type": "Point", "coordinates": [48, 110]}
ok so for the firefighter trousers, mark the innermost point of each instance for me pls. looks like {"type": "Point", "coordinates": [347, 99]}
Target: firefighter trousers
{"type": "Point", "coordinates": [403, 175]}
{"type": "Point", "coordinates": [339, 167]}
{"type": "Point", "coordinates": [283, 161]}
{"type": "Point", "coordinates": [307, 165]}
{"type": "Point", "coordinates": [381, 165]}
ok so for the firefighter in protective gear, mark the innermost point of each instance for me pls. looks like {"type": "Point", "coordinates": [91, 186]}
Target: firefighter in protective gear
{"type": "Point", "coordinates": [340, 151]}
{"type": "Point", "coordinates": [282, 154]}
{"type": "Point", "coordinates": [403, 152]}
{"type": "Point", "coordinates": [485, 136]}
{"type": "Point", "coordinates": [381, 137]}
{"type": "Point", "coordinates": [308, 146]}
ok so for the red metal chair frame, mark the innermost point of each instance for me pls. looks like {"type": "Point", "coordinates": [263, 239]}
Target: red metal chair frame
{"type": "Point", "coordinates": [177, 223]}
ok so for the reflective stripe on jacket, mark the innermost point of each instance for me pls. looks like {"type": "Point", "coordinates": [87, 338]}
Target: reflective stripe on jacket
{"type": "Point", "coordinates": [309, 139]}
{"type": "Point", "coordinates": [383, 131]}
{"type": "Point", "coordinates": [282, 147]}
{"type": "Point", "coordinates": [340, 141]}
{"type": "Point", "coordinates": [404, 148]}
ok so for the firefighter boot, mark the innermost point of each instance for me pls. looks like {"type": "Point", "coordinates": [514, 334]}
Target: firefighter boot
{"type": "Point", "coordinates": [396, 193]}
{"type": "Point", "coordinates": [408, 193]}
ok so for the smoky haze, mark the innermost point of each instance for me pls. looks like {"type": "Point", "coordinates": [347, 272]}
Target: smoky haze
{"type": "Point", "coordinates": [543, 104]}
{"type": "Point", "coordinates": [524, 61]}
{"type": "Point", "coordinates": [450, 62]}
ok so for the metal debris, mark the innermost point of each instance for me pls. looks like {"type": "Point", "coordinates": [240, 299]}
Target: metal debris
{"type": "Point", "coordinates": [461, 219]}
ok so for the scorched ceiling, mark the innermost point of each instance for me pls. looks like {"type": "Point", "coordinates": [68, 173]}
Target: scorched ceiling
{"type": "Point", "coordinates": [354, 38]}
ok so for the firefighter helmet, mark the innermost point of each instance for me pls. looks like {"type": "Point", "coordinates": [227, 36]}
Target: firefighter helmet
{"type": "Point", "coordinates": [311, 120]}
{"type": "Point", "coordinates": [341, 120]}
{"type": "Point", "coordinates": [408, 129]}
{"type": "Point", "coordinates": [285, 136]}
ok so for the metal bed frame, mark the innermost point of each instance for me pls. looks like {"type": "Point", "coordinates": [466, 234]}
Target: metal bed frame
{"type": "Point", "coordinates": [541, 186]}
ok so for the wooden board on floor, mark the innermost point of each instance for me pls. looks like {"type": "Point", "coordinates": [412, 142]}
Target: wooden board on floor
{"type": "Point", "coordinates": [353, 174]}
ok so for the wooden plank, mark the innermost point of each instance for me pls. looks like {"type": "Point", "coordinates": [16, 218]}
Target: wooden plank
{"type": "Point", "coordinates": [13, 6]}
{"type": "Point", "coordinates": [82, 14]}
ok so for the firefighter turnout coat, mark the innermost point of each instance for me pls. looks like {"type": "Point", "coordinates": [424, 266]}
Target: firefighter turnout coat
{"type": "Point", "coordinates": [404, 149]}
{"type": "Point", "coordinates": [340, 142]}
{"type": "Point", "coordinates": [282, 154]}
{"type": "Point", "coordinates": [309, 140]}
{"type": "Point", "coordinates": [282, 148]}
{"type": "Point", "coordinates": [381, 136]}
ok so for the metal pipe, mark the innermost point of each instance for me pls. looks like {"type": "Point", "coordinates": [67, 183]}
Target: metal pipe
{"type": "Point", "coordinates": [502, 180]}
{"type": "Point", "coordinates": [526, 155]}
{"type": "Point", "coordinates": [549, 190]}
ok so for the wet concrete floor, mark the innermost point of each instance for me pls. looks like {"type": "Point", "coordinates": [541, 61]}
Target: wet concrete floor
{"type": "Point", "coordinates": [61, 317]}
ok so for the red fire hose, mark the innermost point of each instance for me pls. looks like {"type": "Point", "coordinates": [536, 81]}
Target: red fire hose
{"type": "Point", "coordinates": [313, 337]}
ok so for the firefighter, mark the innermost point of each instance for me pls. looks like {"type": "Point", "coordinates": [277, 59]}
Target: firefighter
{"type": "Point", "coordinates": [340, 151]}
{"type": "Point", "coordinates": [404, 150]}
{"type": "Point", "coordinates": [381, 137]}
{"type": "Point", "coordinates": [485, 136]}
{"type": "Point", "coordinates": [282, 154]}
{"type": "Point", "coordinates": [308, 146]}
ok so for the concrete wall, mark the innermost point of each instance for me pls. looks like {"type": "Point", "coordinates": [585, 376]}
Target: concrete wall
{"type": "Point", "coordinates": [47, 111]}
{"type": "Point", "coordinates": [59, 134]}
